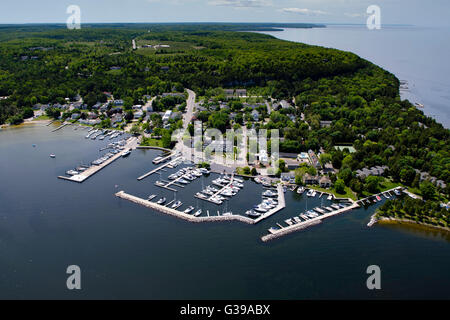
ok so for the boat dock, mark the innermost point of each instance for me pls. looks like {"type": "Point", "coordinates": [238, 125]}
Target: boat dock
{"type": "Point", "coordinates": [276, 233]}
{"type": "Point", "coordinates": [180, 214]}
{"type": "Point", "coordinates": [83, 176]}
{"type": "Point", "coordinates": [163, 159]}
{"type": "Point", "coordinates": [210, 199]}
{"type": "Point", "coordinates": [61, 126]}
{"type": "Point", "coordinates": [281, 205]}
{"type": "Point", "coordinates": [148, 174]}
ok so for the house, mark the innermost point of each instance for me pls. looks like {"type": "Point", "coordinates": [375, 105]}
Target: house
{"type": "Point", "coordinates": [325, 182]}
{"type": "Point", "coordinates": [118, 102]}
{"type": "Point", "coordinates": [325, 124]}
{"type": "Point", "coordinates": [229, 92]}
{"type": "Point", "coordinates": [288, 177]}
{"type": "Point", "coordinates": [138, 114]}
{"type": "Point", "coordinates": [167, 115]}
{"type": "Point", "coordinates": [89, 122]}
{"type": "Point", "coordinates": [92, 115]}
{"type": "Point", "coordinates": [328, 168]}
{"type": "Point", "coordinates": [241, 92]}
{"type": "Point", "coordinates": [75, 116]}
{"type": "Point", "coordinates": [291, 164]}
{"type": "Point", "coordinates": [116, 118]}
{"type": "Point", "coordinates": [303, 158]}
{"type": "Point", "coordinates": [263, 156]}
{"type": "Point", "coordinates": [314, 160]}
{"type": "Point", "coordinates": [310, 180]}
{"type": "Point", "coordinates": [285, 105]}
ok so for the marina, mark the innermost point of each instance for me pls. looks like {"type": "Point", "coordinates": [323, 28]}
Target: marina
{"type": "Point", "coordinates": [80, 177]}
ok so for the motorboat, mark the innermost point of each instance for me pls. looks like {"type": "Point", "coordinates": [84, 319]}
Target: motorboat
{"type": "Point", "coordinates": [201, 195]}
{"type": "Point", "coordinates": [301, 190]}
{"type": "Point", "coordinates": [72, 173]}
{"type": "Point", "coordinates": [126, 153]}
{"type": "Point", "coordinates": [161, 201]}
{"type": "Point", "coordinates": [198, 213]}
{"type": "Point", "coordinates": [269, 193]}
{"type": "Point", "coordinates": [252, 213]}
{"type": "Point", "coordinates": [189, 210]}
{"type": "Point", "coordinates": [330, 197]}
{"type": "Point", "coordinates": [177, 205]}
{"type": "Point", "coordinates": [153, 196]}
{"type": "Point", "coordinates": [52, 156]}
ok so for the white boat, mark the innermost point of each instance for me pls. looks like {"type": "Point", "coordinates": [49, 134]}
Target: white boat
{"type": "Point", "coordinates": [310, 193]}
{"type": "Point", "coordinates": [153, 196]}
{"type": "Point", "coordinates": [301, 190]}
{"type": "Point", "coordinates": [252, 213]}
{"type": "Point", "coordinates": [52, 156]}
{"type": "Point", "coordinates": [157, 159]}
{"type": "Point", "coordinates": [72, 172]}
{"type": "Point", "coordinates": [161, 201]}
{"type": "Point", "coordinates": [198, 213]}
{"type": "Point", "coordinates": [126, 153]}
{"type": "Point", "coordinates": [189, 210]}
{"type": "Point", "coordinates": [330, 197]}
{"type": "Point", "coordinates": [269, 193]}
{"type": "Point", "coordinates": [177, 204]}
{"type": "Point", "coordinates": [201, 195]}
{"type": "Point", "coordinates": [261, 208]}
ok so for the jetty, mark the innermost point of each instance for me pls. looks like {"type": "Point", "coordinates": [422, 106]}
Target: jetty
{"type": "Point", "coordinates": [180, 214]}
{"type": "Point", "coordinates": [277, 233]}
{"type": "Point", "coordinates": [83, 176]}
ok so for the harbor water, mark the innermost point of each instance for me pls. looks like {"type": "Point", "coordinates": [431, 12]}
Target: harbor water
{"type": "Point", "coordinates": [126, 251]}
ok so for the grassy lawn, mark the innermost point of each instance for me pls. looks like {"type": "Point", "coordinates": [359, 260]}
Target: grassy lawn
{"type": "Point", "coordinates": [387, 184]}
{"type": "Point", "coordinates": [149, 142]}
{"type": "Point", "coordinates": [43, 117]}
{"type": "Point", "coordinates": [348, 192]}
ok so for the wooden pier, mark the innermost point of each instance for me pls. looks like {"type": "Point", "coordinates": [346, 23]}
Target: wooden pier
{"type": "Point", "coordinates": [148, 174]}
{"type": "Point", "coordinates": [61, 126]}
{"type": "Point", "coordinates": [83, 176]}
{"type": "Point", "coordinates": [274, 234]}
{"type": "Point", "coordinates": [217, 193]}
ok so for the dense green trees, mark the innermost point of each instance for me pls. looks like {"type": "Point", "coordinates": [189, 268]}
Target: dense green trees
{"type": "Point", "coordinates": [428, 212]}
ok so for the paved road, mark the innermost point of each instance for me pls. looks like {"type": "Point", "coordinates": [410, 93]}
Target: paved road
{"type": "Point", "coordinates": [187, 117]}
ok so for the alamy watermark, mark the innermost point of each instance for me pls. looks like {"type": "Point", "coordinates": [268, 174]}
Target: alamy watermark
{"type": "Point", "coordinates": [374, 19]}
{"type": "Point", "coordinates": [74, 20]}
{"type": "Point", "coordinates": [235, 148]}
{"type": "Point", "coordinates": [374, 280]}
{"type": "Point", "coordinates": [74, 280]}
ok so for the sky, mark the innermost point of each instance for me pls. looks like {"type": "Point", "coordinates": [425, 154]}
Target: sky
{"type": "Point", "coordinates": [415, 12]}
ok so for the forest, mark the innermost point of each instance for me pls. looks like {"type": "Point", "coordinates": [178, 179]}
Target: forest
{"type": "Point", "coordinates": [47, 64]}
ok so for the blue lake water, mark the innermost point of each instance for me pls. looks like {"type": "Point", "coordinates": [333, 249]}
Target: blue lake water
{"type": "Point", "coordinates": [418, 55]}
{"type": "Point", "coordinates": [127, 251]}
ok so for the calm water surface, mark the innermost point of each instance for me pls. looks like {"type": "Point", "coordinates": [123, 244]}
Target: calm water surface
{"type": "Point", "coordinates": [127, 251]}
{"type": "Point", "coordinates": [418, 55]}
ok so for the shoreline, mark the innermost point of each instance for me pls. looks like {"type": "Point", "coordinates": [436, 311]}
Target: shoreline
{"type": "Point", "coordinates": [397, 221]}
